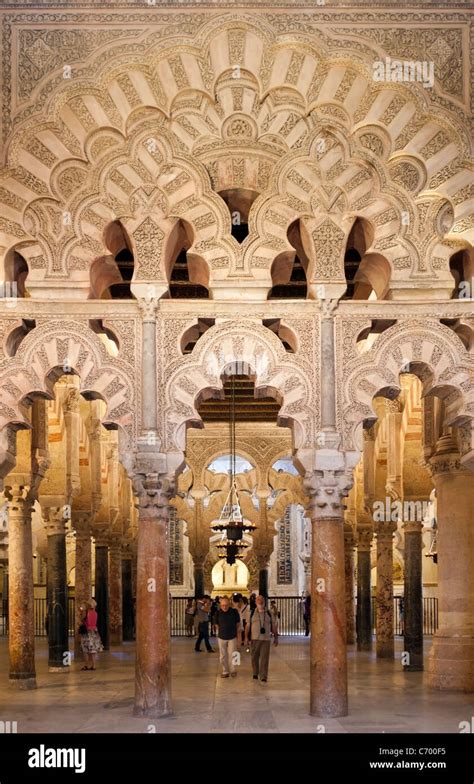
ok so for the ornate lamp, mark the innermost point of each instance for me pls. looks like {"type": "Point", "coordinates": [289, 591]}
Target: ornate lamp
{"type": "Point", "coordinates": [231, 522]}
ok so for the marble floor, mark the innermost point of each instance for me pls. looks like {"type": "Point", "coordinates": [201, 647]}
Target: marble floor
{"type": "Point", "coordinates": [382, 698]}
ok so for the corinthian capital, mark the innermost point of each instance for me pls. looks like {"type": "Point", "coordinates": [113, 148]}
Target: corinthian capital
{"type": "Point", "coordinates": [148, 308]}
{"type": "Point", "coordinates": [326, 489]}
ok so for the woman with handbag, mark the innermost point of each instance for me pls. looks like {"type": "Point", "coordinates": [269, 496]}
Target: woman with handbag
{"type": "Point", "coordinates": [91, 643]}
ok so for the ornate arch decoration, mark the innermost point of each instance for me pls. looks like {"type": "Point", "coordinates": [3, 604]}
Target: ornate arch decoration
{"type": "Point", "coordinates": [56, 347]}
{"type": "Point", "coordinates": [426, 348]}
{"type": "Point", "coordinates": [276, 372]}
{"type": "Point", "coordinates": [186, 90]}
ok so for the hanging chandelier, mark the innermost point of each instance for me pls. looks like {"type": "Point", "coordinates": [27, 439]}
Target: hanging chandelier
{"type": "Point", "coordinates": [231, 522]}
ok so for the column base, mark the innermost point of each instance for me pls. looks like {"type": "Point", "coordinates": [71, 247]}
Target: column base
{"type": "Point", "coordinates": [330, 708]}
{"type": "Point", "coordinates": [451, 663]}
{"type": "Point", "coordinates": [116, 639]}
{"type": "Point", "coordinates": [22, 682]}
{"type": "Point", "coordinates": [153, 712]}
{"type": "Point", "coordinates": [385, 650]}
{"type": "Point", "coordinates": [54, 668]}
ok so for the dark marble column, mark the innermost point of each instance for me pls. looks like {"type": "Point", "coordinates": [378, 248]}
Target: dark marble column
{"type": "Point", "coordinates": [153, 660]}
{"type": "Point", "coordinates": [413, 595]}
{"type": "Point", "coordinates": [263, 582]}
{"type": "Point", "coordinates": [102, 590]}
{"type": "Point", "coordinates": [385, 645]}
{"type": "Point", "coordinates": [349, 544]}
{"type": "Point", "coordinates": [198, 579]}
{"type": "Point", "coordinates": [58, 639]}
{"type": "Point", "coordinates": [5, 596]}
{"type": "Point", "coordinates": [21, 637]}
{"type": "Point", "coordinates": [115, 592]}
{"type": "Point", "coordinates": [364, 606]}
{"type": "Point", "coordinates": [127, 599]}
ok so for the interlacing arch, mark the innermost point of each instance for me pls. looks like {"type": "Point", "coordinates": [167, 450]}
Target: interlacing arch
{"type": "Point", "coordinates": [243, 343]}
{"type": "Point", "coordinates": [54, 348]}
{"type": "Point", "coordinates": [425, 348]}
{"type": "Point", "coordinates": [235, 106]}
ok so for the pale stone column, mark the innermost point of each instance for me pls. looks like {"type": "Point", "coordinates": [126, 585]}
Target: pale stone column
{"type": "Point", "coordinates": [349, 545]}
{"type": "Point", "coordinates": [385, 645]}
{"type": "Point", "coordinates": [413, 596]}
{"type": "Point", "coordinates": [115, 590]}
{"type": "Point", "coordinates": [153, 660]}
{"type": "Point", "coordinates": [364, 612]}
{"type": "Point", "coordinates": [83, 570]}
{"type": "Point", "coordinates": [21, 638]}
{"type": "Point", "coordinates": [58, 639]}
{"type": "Point", "coordinates": [328, 655]}
{"type": "Point", "coordinates": [451, 658]}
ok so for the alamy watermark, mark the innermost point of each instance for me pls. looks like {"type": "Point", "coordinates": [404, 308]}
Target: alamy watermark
{"type": "Point", "coordinates": [393, 511]}
{"type": "Point", "coordinates": [389, 70]}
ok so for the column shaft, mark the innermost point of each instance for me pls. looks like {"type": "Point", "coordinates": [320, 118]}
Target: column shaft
{"type": "Point", "coordinates": [21, 638]}
{"type": "Point", "coordinates": [102, 592]}
{"type": "Point", "coordinates": [328, 674]}
{"type": "Point", "coordinates": [385, 645]}
{"type": "Point", "coordinates": [349, 581]}
{"type": "Point", "coordinates": [83, 580]}
{"type": "Point", "coordinates": [263, 582]}
{"type": "Point", "coordinates": [364, 607]}
{"type": "Point", "coordinates": [413, 590]}
{"type": "Point", "coordinates": [115, 595]}
{"type": "Point", "coordinates": [153, 668]}
{"type": "Point", "coordinates": [127, 600]}
{"type": "Point", "coordinates": [198, 579]}
{"type": "Point", "coordinates": [58, 639]}
{"type": "Point", "coordinates": [451, 658]}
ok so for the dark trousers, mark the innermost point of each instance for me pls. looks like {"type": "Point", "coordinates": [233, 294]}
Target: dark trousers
{"type": "Point", "coordinates": [307, 620]}
{"type": "Point", "coordinates": [260, 654]}
{"type": "Point", "coordinates": [203, 635]}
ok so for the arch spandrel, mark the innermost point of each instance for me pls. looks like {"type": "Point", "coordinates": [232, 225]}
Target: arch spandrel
{"type": "Point", "coordinates": [291, 87]}
{"type": "Point", "coordinates": [427, 348]}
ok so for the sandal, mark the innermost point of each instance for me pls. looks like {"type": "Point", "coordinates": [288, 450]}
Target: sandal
{"type": "Point", "coordinates": [86, 668]}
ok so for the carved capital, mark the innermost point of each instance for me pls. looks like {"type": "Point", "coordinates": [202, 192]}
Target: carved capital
{"type": "Point", "coordinates": [55, 520]}
{"type": "Point", "coordinates": [412, 527]}
{"type": "Point", "coordinates": [72, 401]}
{"type": "Point", "coordinates": [326, 489]}
{"type": "Point", "coordinates": [148, 308]}
{"type": "Point", "coordinates": [364, 539]}
{"type": "Point", "coordinates": [154, 491]}
{"type": "Point", "coordinates": [384, 529]}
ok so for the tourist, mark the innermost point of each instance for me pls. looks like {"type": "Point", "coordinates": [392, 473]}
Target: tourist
{"type": "Point", "coordinates": [252, 601]}
{"type": "Point", "coordinates": [202, 619]}
{"type": "Point", "coordinates": [189, 613]}
{"type": "Point", "coordinates": [274, 611]}
{"type": "Point", "coordinates": [214, 611]}
{"type": "Point", "coordinates": [244, 612]}
{"type": "Point", "coordinates": [259, 631]}
{"type": "Point", "coordinates": [91, 643]}
{"type": "Point", "coordinates": [228, 624]}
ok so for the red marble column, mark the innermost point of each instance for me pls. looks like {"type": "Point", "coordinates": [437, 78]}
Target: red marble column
{"type": "Point", "coordinates": [153, 661]}
{"type": "Point", "coordinates": [83, 574]}
{"type": "Point", "coordinates": [328, 654]}
{"type": "Point", "coordinates": [21, 638]}
{"type": "Point", "coordinates": [115, 591]}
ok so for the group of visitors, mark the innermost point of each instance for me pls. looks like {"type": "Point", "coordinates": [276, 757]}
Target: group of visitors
{"type": "Point", "coordinates": [237, 622]}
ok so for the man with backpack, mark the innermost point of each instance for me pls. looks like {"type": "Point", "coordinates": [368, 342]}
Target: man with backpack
{"type": "Point", "coordinates": [259, 630]}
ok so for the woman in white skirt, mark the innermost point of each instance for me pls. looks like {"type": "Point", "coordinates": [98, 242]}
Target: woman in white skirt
{"type": "Point", "coordinates": [91, 643]}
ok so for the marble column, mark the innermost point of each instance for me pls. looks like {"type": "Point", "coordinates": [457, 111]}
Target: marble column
{"type": "Point", "coordinates": [153, 660]}
{"type": "Point", "coordinates": [263, 582]}
{"type": "Point", "coordinates": [198, 578]}
{"type": "Point", "coordinates": [364, 607]}
{"type": "Point", "coordinates": [328, 655]}
{"type": "Point", "coordinates": [451, 658]}
{"type": "Point", "coordinates": [83, 573]}
{"type": "Point", "coordinates": [349, 544]}
{"type": "Point", "coordinates": [21, 638]}
{"type": "Point", "coordinates": [127, 599]}
{"type": "Point", "coordinates": [58, 638]}
{"type": "Point", "coordinates": [413, 597]}
{"type": "Point", "coordinates": [115, 591]}
{"type": "Point", "coordinates": [102, 589]}
{"type": "Point", "coordinates": [5, 589]}
{"type": "Point", "coordinates": [385, 645]}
